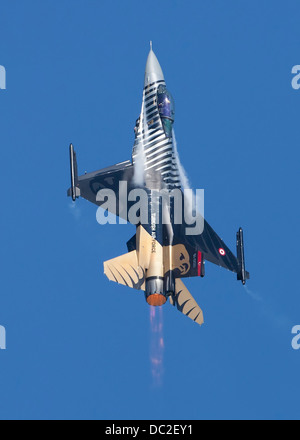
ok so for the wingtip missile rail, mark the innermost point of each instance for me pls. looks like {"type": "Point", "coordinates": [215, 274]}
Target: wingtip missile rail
{"type": "Point", "coordinates": [242, 275]}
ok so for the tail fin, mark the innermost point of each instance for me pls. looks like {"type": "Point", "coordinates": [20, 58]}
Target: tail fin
{"type": "Point", "coordinates": [185, 303]}
{"type": "Point", "coordinates": [126, 270]}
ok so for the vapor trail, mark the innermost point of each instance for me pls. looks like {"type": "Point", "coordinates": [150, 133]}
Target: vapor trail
{"type": "Point", "coordinates": [253, 295]}
{"type": "Point", "coordinates": [275, 317]}
{"type": "Point", "coordinates": [156, 345]}
{"type": "Point", "coordinates": [184, 180]}
{"type": "Point", "coordinates": [140, 160]}
{"type": "Point", "coordinates": [75, 210]}
{"type": "Point", "coordinates": [193, 199]}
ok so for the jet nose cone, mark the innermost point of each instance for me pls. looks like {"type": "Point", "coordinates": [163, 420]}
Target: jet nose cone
{"type": "Point", "coordinates": [153, 70]}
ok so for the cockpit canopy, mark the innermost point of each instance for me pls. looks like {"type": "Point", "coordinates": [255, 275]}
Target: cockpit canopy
{"type": "Point", "coordinates": [165, 103]}
{"type": "Point", "coordinates": [166, 108]}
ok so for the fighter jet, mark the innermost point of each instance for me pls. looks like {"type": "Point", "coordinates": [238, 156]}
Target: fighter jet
{"type": "Point", "coordinates": [161, 253]}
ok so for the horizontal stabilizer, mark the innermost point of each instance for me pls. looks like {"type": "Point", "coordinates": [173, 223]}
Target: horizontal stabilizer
{"type": "Point", "coordinates": [126, 270]}
{"type": "Point", "coordinates": [185, 303]}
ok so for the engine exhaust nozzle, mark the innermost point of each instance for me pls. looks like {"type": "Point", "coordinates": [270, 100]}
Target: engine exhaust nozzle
{"type": "Point", "coordinates": [155, 291]}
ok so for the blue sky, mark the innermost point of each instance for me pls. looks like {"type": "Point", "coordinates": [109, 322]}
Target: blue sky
{"type": "Point", "coordinates": [79, 346]}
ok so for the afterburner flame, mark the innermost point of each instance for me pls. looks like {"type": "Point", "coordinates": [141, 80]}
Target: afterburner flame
{"type": "Point", "coordinates": [156, 299]}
